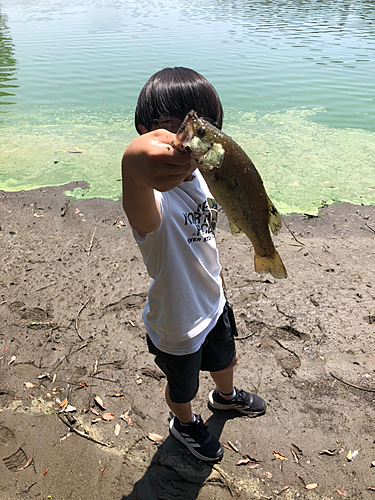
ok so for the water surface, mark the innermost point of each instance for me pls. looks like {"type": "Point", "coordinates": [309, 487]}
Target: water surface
{"type": "Point", "coordinates": [296, 80]}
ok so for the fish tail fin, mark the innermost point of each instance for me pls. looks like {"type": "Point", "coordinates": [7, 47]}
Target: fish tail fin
{"type": "Point", "coordinates": [273, 265]}
{"type": "Point", "coordinates": [274, 218]}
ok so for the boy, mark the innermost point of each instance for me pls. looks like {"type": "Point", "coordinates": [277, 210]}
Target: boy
{"type": "Point", "coordinates": [190, 326]}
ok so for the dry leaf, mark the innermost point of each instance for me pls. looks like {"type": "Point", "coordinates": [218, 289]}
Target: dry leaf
{"type": "Point", "coordinates": [117, 429]}
{"type": "Point", "coordinates": [278, 455]}
{"type": "Point", "coordinates": [29, 385]}
{"type": "Point", "coordinates": [243, 461]}
{"type": "Point", "coordinates": [45, 471]}
{"type": "Point", "coordinates": [94, 420]}
{"type": "Point", "coordinates": [295, 456]}
{"type": "Point", "coordinates": [95, 411]}
{"type": "Point", "coordinates": [297, 448]}
{"type": "Point", "coordinates": [327, 452]}
{"type": "Point", "coordinates": [69, 408]}
{"type": "Point", "coordinates": [342, 492]}
{"type": "Point", "coordinates": [43, 375]}
{"type": "Point", "coordinates": [311, 486]}
{"type": "Point", "coordinates": [248, 460]}
{"type": "Point", "coordinates": [26, 464]}
{"type": "Point", "coordinates": [116, 395]}
{"type": "Point", "coordinates": [64, 402]}
{"type": "Point", "coordinates": [108, 416]}
{"type": "Point", "coordinates": [253, 465]}
{"type": "Point", "coordinates": [154, 437]}
{"type": "Point", "coordinates": [350, 456]}
{"type": "Point", "coordinates": [13, 358]}
{"type": "Point", "coordinates": [370, 488]}
{"type": "Point", "coordinates": [126, 418]}
{"type": "Point", "coordinates": [267, 474]}
{"type": "Point", "coordinates": [99, 402]}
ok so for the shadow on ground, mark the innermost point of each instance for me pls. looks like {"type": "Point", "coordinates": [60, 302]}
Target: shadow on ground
{"type": "Point", "coordinates": [175, 474]}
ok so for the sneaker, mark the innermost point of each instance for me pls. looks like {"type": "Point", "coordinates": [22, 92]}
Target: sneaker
{"type": "Point", "coordinates": [244, 402]}
{"type": "Point", "coordinates": [197, 439]}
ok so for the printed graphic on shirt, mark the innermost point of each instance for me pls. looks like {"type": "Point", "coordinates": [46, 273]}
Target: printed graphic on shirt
{"type": "Point", "coordinates": [202, 221]}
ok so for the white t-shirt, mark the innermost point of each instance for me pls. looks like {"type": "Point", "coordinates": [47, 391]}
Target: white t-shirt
{"type": "Point", "coordinates": [186, 296]}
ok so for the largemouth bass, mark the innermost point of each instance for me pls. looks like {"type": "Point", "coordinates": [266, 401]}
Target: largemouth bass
{"type": "Point", "coordinates": [237, 186]}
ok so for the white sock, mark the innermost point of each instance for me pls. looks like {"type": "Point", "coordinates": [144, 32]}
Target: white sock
{"type": "Point", "coordinates": [193, 419]}
{"type": "Point", "coordinates": [228, 396]}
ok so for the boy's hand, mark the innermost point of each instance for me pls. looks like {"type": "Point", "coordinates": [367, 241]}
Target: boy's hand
{"type": "Point", "coordinates": [150, 162]}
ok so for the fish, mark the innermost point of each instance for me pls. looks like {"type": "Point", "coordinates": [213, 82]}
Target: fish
{"type": "Point", "coordinates": [237, 187]}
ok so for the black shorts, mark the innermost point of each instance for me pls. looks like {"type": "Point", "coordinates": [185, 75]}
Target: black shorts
{"type": "Point", "coordinates": [215, 354]}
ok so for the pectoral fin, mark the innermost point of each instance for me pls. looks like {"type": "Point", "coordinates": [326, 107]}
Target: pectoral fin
{"type": "Point", "coordinates": [274, 218]}
{"type": "Point", "coordinates": [236, 231]}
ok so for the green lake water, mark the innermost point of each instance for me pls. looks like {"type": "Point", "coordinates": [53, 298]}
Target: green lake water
{"type": "Point", "coordinates": [296, 78]}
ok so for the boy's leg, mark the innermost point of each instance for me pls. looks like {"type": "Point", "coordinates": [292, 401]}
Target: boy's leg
{"type": "Point", "coordinates": [181, 410]}
{"type": "Point", "coordinates": [224, 378]}
{"type": "Point", "coordinates": [227, 397]}
{"type": "Point", "coordinates": [191, 431]}
{"type": "Point", "coordinates": [183, 380]}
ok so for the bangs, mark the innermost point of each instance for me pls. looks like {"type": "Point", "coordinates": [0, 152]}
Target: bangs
{"type": "Point", "coordinates": [174, 92]}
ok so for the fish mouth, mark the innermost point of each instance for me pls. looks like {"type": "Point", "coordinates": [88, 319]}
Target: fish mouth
{"type": "Point", "coordinates": [186, 134]}
{"type": "Point", "coordinates": [186, 130]}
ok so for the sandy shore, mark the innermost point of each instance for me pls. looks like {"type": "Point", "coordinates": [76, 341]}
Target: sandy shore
{"type": "Point", "coordinates": [72, 288]}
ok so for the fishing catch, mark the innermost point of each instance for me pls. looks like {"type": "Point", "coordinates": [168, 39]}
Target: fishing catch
{"type": "Point", "coordinates": [237, 186]}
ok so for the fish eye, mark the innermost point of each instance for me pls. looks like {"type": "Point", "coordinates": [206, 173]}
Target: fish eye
{"type": "Point", "coordinates": [201, 131]}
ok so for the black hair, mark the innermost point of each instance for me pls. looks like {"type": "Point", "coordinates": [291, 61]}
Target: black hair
{"type": "Point", "coordinates": [174, 92]}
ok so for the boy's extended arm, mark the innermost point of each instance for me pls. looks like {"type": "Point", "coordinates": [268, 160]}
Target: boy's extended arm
{"type": "Point", "coordinates": [150, 162]}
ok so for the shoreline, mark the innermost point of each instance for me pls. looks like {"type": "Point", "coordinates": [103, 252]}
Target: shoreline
{"type": "Point", "coordinates": [341, 219]}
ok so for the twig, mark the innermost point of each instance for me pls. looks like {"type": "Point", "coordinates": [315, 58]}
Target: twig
{"type": "Point", "coordinates": [78, 313]}
{"type": "Point", "coordinates": [226, 478]}
{"type": "Point", "coordinates": [80, 347]}
{"type": "Point", "coordinates": [106, 379]}
{"type": "Point", "coordinates": [29, 488]}
{"type": "Point", "coordinates": [351, 385]}
{"type": "Point", "coordinates": [45, 286]}
{"type": "Point", "coordinates": [281, 312]}
{"type": "Point", "coordinates": [101, 472]}
{"type": "Point", "coordinates": [96, 365]}
{"type": "Point", "coordinates": [371, 229]}
{"type": "Point", "coordinates": [82, 434]}
{"type": "Point", "coordinates": [246, 337]}
{"type": "Point", "coordinates": [92, 239]}
{"type": "Point", "coordinates": [291, 232]}
{"type": "Point", "coordinates": [259, 381]}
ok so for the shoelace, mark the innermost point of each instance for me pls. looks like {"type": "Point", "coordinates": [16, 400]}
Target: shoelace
{"type": "Point", "coordinates": [200, 428]}
{"type": "Point", "coordinates": [244, 396]}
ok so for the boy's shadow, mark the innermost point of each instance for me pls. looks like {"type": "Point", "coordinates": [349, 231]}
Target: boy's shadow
{"type": "Point", "coordinates": [175, 474]}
